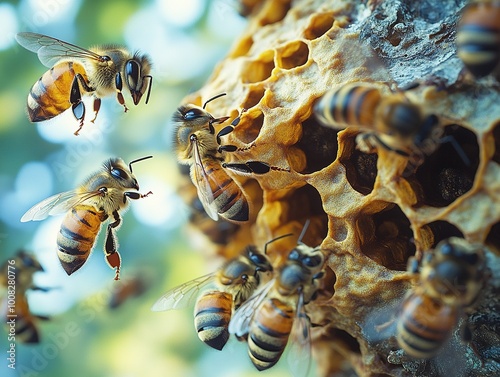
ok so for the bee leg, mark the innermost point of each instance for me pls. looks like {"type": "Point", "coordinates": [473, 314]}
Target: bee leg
{"type": "Point", "coordinates": [135, 195]}
{"type": "Point", "coordinates": [97, 106]}
{"type": "Point", "coordinates": [77, 105]}
{"type": "Point", "coordinates": [111, 247]}
{"type": "Point", "coordinates": [255, 167]}
{"type": "Point", "coordinates": [227, 130]}
{"type": "Point", "coordinates": [119, 86]}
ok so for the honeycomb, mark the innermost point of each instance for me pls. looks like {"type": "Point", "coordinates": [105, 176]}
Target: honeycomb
{"type": "Point", "coordinates": [368, 212]}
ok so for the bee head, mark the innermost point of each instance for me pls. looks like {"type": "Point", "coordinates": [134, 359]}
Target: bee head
{"type": "Point", "coordinates": [137, 77]}
{"type": "Point", "coordinates": [121, 173]}
{"type": "Point", "coordinates": [401, 119]}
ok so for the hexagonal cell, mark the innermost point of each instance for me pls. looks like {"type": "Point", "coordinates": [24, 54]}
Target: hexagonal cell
{"type": "Point", "coordinates": [496, 136]}
{"type": "Point", "coordinates": [243, 47]}
{"type": "Point", "coordinates": [254, 96]}
{"type": "Point", "coordinates": [293, 55]}
{"type": "Point", "coordinates": [274, 11]}
{"type": "Point", "coordinates": [445, 175]}
{"type": "Point", "coordinates": [319, 25]}
{"type": "Point", "coordinates": [387, 238]}
{"type": "Point", "coordinates": [259, 70]}
{"type": "Point", "coordinates": [442, 230]}
{"type": "Point", "coordinates": [361, 170]}
{"type": "Point", "coordinates": [319, 144]}
{"type": "Point", "coordinates": [250, 125]}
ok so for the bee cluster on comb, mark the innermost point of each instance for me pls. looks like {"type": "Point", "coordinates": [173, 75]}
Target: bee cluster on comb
{"type": "Point", "coordinates": [361, 118]}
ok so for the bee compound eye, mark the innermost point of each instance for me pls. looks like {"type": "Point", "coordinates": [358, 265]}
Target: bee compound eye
{"type": "Point", "coordinates": [132, 70]}
{"type": "Point", "coordinates": [118, 173]}
{"type": "Point", "coordinates": [193, 114]}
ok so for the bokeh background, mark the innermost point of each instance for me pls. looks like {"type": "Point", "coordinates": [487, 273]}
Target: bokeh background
{"type": "Point", "coordinates": [84, 337]}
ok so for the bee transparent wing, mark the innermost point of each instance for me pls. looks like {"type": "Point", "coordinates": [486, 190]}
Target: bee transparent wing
{"type": "Point", "coordinates": [299, 355]}
{"type": "Point", "coordinates": [241, 319]}
{"type": "Point", "coordinates": [54, 205]}
{"type": "Point", "coordinates": [57, 205]}
{"type": "Point", "coordinates": [183, 295]}
{"type": "Point", "coordinates": [51, 50]}
{"type": "Point", "coordinates": [202, 182]}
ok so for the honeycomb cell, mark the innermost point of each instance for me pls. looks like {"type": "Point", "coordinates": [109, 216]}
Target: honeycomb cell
{"type": "Point", "coordinates": [361, 170]}
{"type": "Point", "coordinates": [260, 69]}
{"type": "Point", "coordinates": [346, 339]}
{"type": "Point", "coordinates": [243, 47]}
{"type": "Point", "coordinates": [250, 125]}
{"type": "Point", "coordinates": [496, 136]}
{"type": "Point", "coordinates": [319, 144]}
{"type": "Point", "coordinates": [446, 175]}
{"type": "Point", "coordinates": [389, 238]}
{"type": "Point", "coordinates": [254, 96]}
{"type": "Point", "coordinates": [319, 25]}
{"type": "Point", "coordinates": [274, 11]}
{"type": "Point", "coordinates": [443, 229]}
{"type": "Point", "coordinates": [293, 55]}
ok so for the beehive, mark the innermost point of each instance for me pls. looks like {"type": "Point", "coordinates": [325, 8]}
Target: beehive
{"type": "Point", "coordinates": [368, 213]}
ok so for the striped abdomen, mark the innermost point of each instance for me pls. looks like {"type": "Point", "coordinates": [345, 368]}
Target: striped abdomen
{"type": "Point", "coordinates": [229, 200]}
{"type": "Point", "coordinates": [212, 314]}
{"type": "Point", "coordinates": [350, 105]}
{"type": "Point", "coordinates": [269, 332]}
{"type": "Point", "coordinates": [424, 325]}
{"type": "Point", "coordinates": [77, 236]}
{"type": "Point", "coordinates": [478, 37]}
{"type": "Point", "coordinates": [50, 95]}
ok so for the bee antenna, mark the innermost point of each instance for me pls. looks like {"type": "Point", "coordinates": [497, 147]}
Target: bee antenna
{"type": "Point", "coordinates": [276, 239]}
{"type": "Point", "coordinates": [139, 159]}
{"type": "Point", "coordinates": [304, 229]}
{"type": "Point", "coordinates": [211, 99]}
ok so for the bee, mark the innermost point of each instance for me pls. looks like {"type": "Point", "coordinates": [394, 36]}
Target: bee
{"type": "Point", "coordinates": [15, 306]}
{"type": "Point", "coordinates": [199, 146]}
{"type": "Point", "coordinates": [478, 37]}
{"type": "Point", "coordinates": [388, 120]}
{"type": "Point", "coordinates": [277, 312]}
{"type": "Point", "coordinates": [129, 288]}
{"type": "Point", "coordinates": [233, 284]}
{"type": "Point", "coordinates": [100, 71]}
{"type": "Point", "coordinates": [101, 197]}
{"type": "Point", "coordinates": [450, 280]}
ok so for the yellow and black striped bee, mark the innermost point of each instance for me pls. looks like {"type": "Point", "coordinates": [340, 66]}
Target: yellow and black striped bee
{"type": "Point", "coordinates": [276, 312]}
{"type": "Point", "coordinates": [388, 120]}
{"type": "Point", "coordinates": [198, 146]}
{"type": "Point", "coordinates": [451, 277]}
{"type": "Point", "coordinates": [15, 307]}
{"type": "Point", "coordinates": [101, 197]}
{"type": "Point", "coordinates": [222, 292]}
{"type": "Point", "coordinates": [100, 71]}
{"type": "Point", "coordinates": [478, 37]}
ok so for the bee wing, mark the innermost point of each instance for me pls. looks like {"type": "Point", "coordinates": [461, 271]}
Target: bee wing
{"type": "Point", "coordinates": [51, 50]}
{"type": "Point", "coordinates": [56, 205]}
{"type": "Point", "coordinates": [202, 182]}
{"type": "Point", "coordinates": [241, 319]}
{"type": "Point", "coordinates": [299, 355]}
{"type": "Point", "coordinates": [182, 295]}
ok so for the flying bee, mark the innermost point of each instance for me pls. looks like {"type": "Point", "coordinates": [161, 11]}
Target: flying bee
{"type": "Point", "coordinates": [101, 197]}
{"type": "Point", "coordinates": [449, 283]}
{"type": "Point", "coordinates": [233, 284]}
{"type": "Point", "coordinates": [478, 37]}
{"type": "Point", "coordinates": [15, 308]}
{"type": "Point", "coordinates": [100, 71]}
{"type": "Point", "coordinates": [276, 312]}
{"type": "Point", "coordinates": [199, 146]}
{"type": "Point", "coordinates": [128, 289]}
